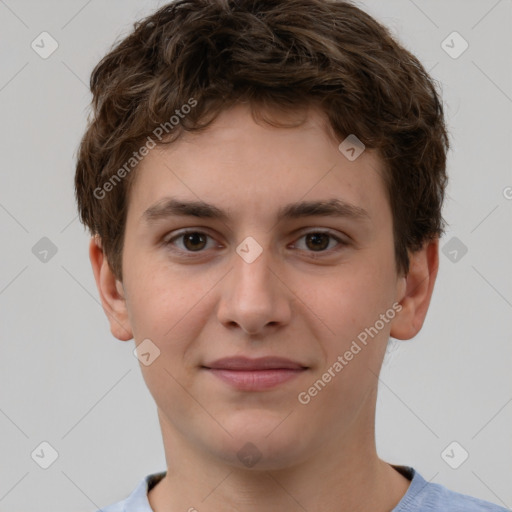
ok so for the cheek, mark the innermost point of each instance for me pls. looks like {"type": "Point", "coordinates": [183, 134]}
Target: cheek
{"type": "Point", "coordinates": [157, 301]}
{"type": "Point", "coordinates": [351, 304]}
{"type": "Point", "coordinates": [356, 297]}
{"type": "Point", "coordinates": [172, 308]}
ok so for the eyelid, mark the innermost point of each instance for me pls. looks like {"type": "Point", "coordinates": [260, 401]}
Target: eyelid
{"type": "Point", "coordinates": [327, 231]}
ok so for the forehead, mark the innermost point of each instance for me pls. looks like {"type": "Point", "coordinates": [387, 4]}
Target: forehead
{"type": "Point", "coordinates": [240, 162]}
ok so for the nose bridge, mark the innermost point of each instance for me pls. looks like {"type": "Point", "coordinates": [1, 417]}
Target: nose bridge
{"type": "Point", "coordinates": [252, 274]}
{"type": "Point", "coordinates": [253, 297]}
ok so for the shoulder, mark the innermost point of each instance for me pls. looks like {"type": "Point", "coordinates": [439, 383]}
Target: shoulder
{"type": "Point", "coordinates": [115, 507]}
{"type": "Point", "coordinates": [137, 501]}
{"type": "Point", "coordinates": [423, 496]}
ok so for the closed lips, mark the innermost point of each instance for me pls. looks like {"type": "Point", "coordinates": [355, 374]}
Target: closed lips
{"type": "Point", "coordinates": [247, 364]}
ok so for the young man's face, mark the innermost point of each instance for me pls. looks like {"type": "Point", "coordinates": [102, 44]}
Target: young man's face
{"type": "Point", "coordinates": [257, 284]}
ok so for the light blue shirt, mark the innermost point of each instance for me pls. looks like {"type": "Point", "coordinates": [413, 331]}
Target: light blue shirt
{"type": "Point", "coordinates": [421, 496]}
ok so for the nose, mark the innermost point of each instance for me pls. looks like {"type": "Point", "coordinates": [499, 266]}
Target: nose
{"type": "Point", "coordinates": [254, 296]}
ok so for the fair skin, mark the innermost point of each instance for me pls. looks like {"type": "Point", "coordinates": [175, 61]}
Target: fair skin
{"type": "Point", "coordinates": [304, 298]}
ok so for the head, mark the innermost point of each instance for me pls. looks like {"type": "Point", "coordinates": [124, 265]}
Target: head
{"type": "Point", "coordinates": [240, 107]}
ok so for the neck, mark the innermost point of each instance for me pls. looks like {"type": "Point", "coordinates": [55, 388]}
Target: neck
{"type": "Point", "coordinates": [342, 475]}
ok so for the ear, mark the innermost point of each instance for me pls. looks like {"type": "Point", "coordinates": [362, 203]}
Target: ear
{"type": "Point", "coordinates": [111, 292]}
{"type": "Point", "coordinates": [415, 291]}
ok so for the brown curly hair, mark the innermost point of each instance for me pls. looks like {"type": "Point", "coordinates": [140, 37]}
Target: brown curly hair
{"type": "Point", "coordinates": [276, 55]}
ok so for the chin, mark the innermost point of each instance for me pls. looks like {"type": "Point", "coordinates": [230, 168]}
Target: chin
{"type": "Point", "coordinates": [261, 442]}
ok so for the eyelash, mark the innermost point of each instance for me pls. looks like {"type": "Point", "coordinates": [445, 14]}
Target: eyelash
{"type": "Point", "coordinates": [191, 254]}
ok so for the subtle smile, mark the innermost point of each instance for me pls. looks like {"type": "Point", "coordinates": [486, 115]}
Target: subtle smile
{"type": "Point", "coordinates": [255, 374]}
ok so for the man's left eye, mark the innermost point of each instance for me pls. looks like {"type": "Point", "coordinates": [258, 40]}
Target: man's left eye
{"type": "Point", "coordinates": [320, 241]}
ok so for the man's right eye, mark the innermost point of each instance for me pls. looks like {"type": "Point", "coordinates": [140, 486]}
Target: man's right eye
{"type": "Point", "coordinates": [188, 241]}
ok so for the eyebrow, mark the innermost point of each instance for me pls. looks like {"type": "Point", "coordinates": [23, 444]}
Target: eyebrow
{"type": "Point", "coordinates": [171, 207]}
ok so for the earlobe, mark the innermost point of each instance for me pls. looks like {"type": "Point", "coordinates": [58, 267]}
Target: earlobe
{"type": "Point", "coordinates": [111, 292]}
{"type": "Point", "coordinates": [417, 292]}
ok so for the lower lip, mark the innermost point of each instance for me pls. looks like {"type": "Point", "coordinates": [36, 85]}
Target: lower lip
{"type": "Point", "coordinates": [255, 380]}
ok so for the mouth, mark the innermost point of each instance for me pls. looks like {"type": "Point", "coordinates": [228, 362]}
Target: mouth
{"type": "Point", "coordinates": [255, 374]}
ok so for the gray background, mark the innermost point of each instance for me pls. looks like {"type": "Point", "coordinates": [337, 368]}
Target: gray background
{"type": "Point", "coordinates": [65, 380]}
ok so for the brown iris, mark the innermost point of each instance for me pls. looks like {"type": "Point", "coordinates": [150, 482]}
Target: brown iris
{"type": "Point", "coordinates": [194, 241]}
{"type": "Point", "coordinates": [319, 240]}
